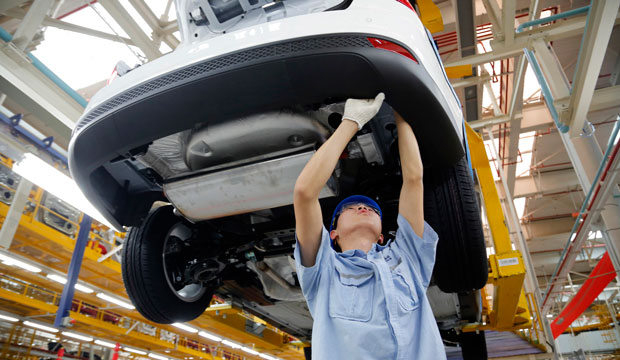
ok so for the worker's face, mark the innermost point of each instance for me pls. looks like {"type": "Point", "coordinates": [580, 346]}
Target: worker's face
{"type": "Point", "coordinates": [358, 217]}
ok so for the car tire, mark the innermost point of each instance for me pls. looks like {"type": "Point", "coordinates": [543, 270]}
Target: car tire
{"type": "Point", "coordinates": [144, 274]}
{"type": "Point", "coordinates": [473, 345]}
{"type": "Point", "coordinates": [451, 208]}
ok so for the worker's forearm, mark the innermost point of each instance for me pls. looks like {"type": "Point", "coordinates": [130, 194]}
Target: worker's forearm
{"type": "Point", "coordinates": [410, 159]}
{"type": "Point", "coordinates": [320, 167]}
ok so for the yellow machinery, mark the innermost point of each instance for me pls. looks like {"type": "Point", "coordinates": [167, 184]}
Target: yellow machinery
{"type": "Point", "coordinates": [32, 294]}
{"type": "Point", "coordinates": [511, 306]}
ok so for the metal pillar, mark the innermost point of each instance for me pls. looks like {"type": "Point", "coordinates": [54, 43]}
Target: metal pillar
{"type": "Point", "coordinates": [584, 151]}
{"type": "Point", "coordinates": [467, 44]}
{"type": "Point", "coordinates": [31, 23]}
{"type": "Point", "coordinates": [74, 270]}
{"type": "Point", "coordinates": [11, 222]}
{"type": "Point", "coordinates": [601, 18]}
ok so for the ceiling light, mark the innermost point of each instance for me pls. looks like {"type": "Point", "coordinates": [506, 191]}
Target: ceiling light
{"type": "Point", "coordinates": [266, 357]}
{"type": "Point", "coordinates": [40, 326]}
{"type": "Point", "coordinates": [185, 327]}
{"type": "Point", "coordinates": [219, 306]}
{"type": "Point", "coordinates": [249, 351]}
{"type": "Point", "coordinates": [60, 185]}
{"type": "Point", "coordinates": [45, 334]}
{"type": "Point", "coordinates": [8, 318]}
{"type": "Point", "coordinates": [210, 336]}
{"type": "Point", "coordinates": [77, 336]}
{"type": "Point", "coordinates": [231, 344]}
{"type": "Point", "coordinates": [105, 343]}
{"type": "Point", "coordinates": [7, 260]}
{"type": "Point", "coordinates": [122, 303]}
{"type": "Point", "coordinates": [549, 315]}
{"type": "Point", "coordinates": [83, 288]}
{"type": "Point", "coordinates": [63, 280]}
{"type": "Point", "coordinates": [158, 357]}
{"type": "Point", "coordinates": [135, 351]}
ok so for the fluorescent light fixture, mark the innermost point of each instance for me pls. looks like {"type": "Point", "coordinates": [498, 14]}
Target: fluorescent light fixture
{"type": "Point", "coordinates": [158, 357]}
{"type": "Point", "coordinates": [210, 336]}
{"type": "Point", "coordinates": [549, 315]}
{"type": "Point", "coordinates": [249, 351]}
{"type": "Point", "coordinates": [77, 336]}
{"type": "Point", "coordinates": [105, 343]}
{"type": "Point", "coordinates": [266, 357]}
{"type": "Point", "coordinates": [185, 327]}
{"type": "Point", "coordinates": [20, 264]}
{"type": "Point", "coordinates": [60, 185]}
{"type": "Point", "coordinates": [40, 326]}
{"type": "Point", "coordinates": [219, 306]}
{"type": "Point", "coordinates": [231, 344]}
{"type": "Point", "coordinates": [63, 280]}
{"type": "Point", "coordinates": [83, 288]}
{"type": "Point", "coordinates": [135, 351]}
{"type": "Point", "coordinates": [8, 318]}
{"type": "Point", "coordinates": [118, 302]}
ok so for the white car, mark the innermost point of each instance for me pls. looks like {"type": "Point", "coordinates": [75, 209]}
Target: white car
{"type": "Point", "coordinates": [198, 151]}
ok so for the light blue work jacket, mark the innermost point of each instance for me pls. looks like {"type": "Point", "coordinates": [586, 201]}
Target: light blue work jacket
{"type": "Point", "coordinates": [373, 306]}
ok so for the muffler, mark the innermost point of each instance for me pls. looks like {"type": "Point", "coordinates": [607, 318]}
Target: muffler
{"type": "Point", "coordinates": [242, 189]}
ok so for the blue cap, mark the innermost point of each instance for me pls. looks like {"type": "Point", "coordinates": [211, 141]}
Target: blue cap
{"type": "Point", "coordinates": [354, 199]}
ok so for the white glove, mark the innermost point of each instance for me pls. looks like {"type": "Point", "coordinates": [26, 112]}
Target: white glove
{"type": "Point", "coordinates": [361, 111]}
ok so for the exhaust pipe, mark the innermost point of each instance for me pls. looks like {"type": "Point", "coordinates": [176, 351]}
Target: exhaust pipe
{"type": "Point", "coordinates": [241, 190]}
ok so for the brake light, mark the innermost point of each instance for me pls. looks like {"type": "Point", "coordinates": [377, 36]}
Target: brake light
{"type": "Point", "coordinates": [407, 4]}
{"type": "Point", "coordinates": [390, 46]}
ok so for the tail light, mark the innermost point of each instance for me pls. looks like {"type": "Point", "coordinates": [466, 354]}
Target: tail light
{"type": "Point", "coordinates": [390, 46]}
{"type": "Point", "coordinates": [407, 4]}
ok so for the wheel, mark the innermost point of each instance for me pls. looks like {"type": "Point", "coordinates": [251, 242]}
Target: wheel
{"type": "Point", "coordinates": [451, 208]}
{"type": "Point", "coordinates": [153, 262]}
{"type": "Point", "coordinates": [473, 346]}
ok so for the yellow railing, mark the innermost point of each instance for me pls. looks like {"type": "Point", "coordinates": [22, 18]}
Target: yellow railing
{"type": "Point", "coordinates": [535, 334]}
{"type": "Point", "coordinates": [107, 317]}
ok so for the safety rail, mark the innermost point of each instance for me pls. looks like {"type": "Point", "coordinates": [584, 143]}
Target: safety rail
{"type": "Point", "coordinates": [535, 335]}
{"type": "Point", "coordinates": [125, 325]}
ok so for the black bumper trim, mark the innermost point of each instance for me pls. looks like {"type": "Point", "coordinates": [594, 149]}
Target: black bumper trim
{"type": "Point", "coordinates": [300, 72]}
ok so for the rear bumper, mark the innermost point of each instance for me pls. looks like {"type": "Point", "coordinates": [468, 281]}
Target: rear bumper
{"type": "Point", "coordinates": [268, 77]}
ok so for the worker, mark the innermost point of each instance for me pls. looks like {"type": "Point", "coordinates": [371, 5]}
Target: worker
{"type": "Point", "coordinates": [368, 301]}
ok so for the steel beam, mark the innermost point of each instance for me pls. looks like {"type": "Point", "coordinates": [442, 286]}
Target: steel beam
{"type": "Point", "coordinates": [14, 215]}
{"type": "Point", "coordinates": [154, 23]}
{"type": "Point", "coordinates": [508, 21]}
{"type": "Point", "coordinates": [584, 151]}
{"type": "Point", "coordinates": [593, 48]}
{"type": "Point", "coordinates": [31, 23]}
{"type": "Point", "coordinates": [49, 21]}
{"type": "Point", "coordinates": [551, 182]}
{"type": "Point", "coordinates": [537, 117]}
{"type": "Point", "coordinates": [467, 45]}
{"type": "Point", "coordinates": [562, 30]}
{"type": "Point", "coordinates": [495, 17]}
{"type": "Point", "coordinates": [28, 86]}
{"type": "Point", "coordinates": [10, 4]}
{"type": "Point", "coordinates": [124, 19]}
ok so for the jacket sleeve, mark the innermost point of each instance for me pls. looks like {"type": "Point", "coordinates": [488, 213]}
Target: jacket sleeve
{"type": "Point", "coordinates": [420, 252]}
{"type": "Point", "coordinates": [310, 277]}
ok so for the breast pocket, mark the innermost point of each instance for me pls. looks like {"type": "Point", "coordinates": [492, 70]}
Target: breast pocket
{"type": "Point", "coordinates": [405, 289]}
{"type": "Point", "coordinates": [351, 295]}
